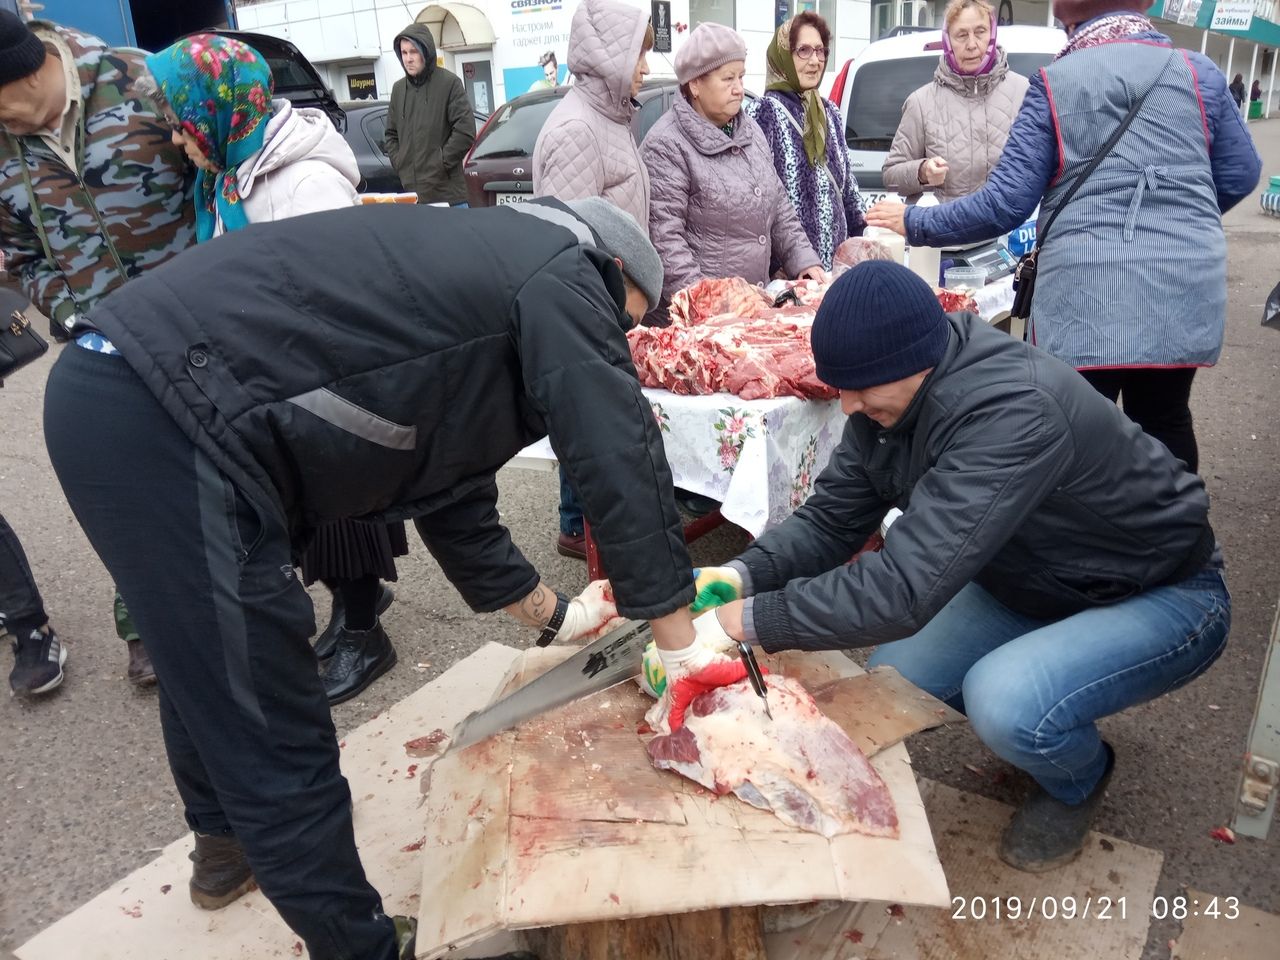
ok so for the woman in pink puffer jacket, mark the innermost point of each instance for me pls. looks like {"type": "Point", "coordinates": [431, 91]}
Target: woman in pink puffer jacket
{"type": "Point", "coordinates": [586, 148]}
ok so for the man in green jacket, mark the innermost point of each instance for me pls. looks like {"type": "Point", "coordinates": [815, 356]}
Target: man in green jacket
{"type": "Point", "coordinates": [430, 124]}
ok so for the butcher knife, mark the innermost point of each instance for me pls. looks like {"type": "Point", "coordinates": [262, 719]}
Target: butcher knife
{"type": "Point", "coordinates": [601, 664]}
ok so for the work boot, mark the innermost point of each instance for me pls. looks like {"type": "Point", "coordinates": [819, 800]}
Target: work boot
{"type": "Point", "coordinates": [38, 656]}
{"type": "Point", "coordinates": [695, 504]}
{"type": "Point", "coordinates": [140, 672]}
{"type": "Point", "coordinates": [221, 873]}
{"type": "Point", "coordinates": [359, 658]}
{"type": "Point", "coordinates": [328, 640]}
{"type": "Point", "coordinates": [572, 545]}
{"type": "Point", "coordinates": [1046, 833]}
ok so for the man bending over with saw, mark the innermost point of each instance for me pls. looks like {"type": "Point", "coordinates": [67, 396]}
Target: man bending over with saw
{"type": "Point", "coordinates": [257, 395]}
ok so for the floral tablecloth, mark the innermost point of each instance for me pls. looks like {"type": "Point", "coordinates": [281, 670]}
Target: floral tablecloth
{"type": "Point", "coordinates": [758, 457]}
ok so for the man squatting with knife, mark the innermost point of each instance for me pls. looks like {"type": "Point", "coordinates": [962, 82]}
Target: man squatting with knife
{"type": "Point", "coordinates": [255, 395]}
{"type": "Point", "coordinates": [1053, 563]}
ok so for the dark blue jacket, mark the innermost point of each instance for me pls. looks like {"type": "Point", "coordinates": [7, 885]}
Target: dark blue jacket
{"type": "Point", "coordinates": [1030, 162]}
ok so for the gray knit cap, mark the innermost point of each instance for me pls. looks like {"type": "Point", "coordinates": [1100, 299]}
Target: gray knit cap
{"type": "Point", "coordinates": [620, 236]}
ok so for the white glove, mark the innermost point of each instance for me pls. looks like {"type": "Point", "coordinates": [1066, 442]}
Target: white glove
{"type": "Point", "coordinates": [710, 643]}
{"type": "Point", "coordinates": [590, 613]}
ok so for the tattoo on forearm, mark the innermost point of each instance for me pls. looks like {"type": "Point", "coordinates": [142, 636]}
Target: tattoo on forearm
{"type": "Point", "coordinates": [535, 610]}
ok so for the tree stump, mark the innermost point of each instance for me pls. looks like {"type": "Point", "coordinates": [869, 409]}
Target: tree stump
{"type": "Point", "coordinates": [731, 933]}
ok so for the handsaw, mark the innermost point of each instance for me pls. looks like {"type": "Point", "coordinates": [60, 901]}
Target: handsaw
{"type": "Point", "coordinates": [613, 658]}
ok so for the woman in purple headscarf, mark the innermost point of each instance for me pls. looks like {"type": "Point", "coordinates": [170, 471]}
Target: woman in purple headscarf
{"type": "Point", "coordinates": [954, 128]}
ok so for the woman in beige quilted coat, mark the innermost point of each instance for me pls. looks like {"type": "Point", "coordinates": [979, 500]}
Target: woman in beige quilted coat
{"type": "Point", "coordinates": [954, 129]}
{"type": "Point", "coordinates": [586, 148]}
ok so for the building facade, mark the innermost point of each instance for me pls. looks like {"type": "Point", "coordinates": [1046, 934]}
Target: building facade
{"type": "Point", "coordinates": [497, 46]}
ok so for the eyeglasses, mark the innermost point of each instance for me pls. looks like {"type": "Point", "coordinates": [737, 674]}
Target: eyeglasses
{"type": "Point", "coordinates": [806, 52]}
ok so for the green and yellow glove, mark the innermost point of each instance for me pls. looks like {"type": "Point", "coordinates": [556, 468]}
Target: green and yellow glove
{"type": "Point", "coordinates": [715, 586]}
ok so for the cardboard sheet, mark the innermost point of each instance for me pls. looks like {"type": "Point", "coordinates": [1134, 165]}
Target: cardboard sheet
{"type": "Point", "coordinates": [1252, 934]}
{"type": "Point", "coordinates": [968, 828]}
{"type": "Point", "coordinates": [564, 820]}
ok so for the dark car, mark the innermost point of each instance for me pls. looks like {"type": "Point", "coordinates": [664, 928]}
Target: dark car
{"type": "Point", "coordinates": [365, 133]}
{"type": "Point", "coordinates": [499, 168]}
{"type": "Point", "coordinates": [292, 75]}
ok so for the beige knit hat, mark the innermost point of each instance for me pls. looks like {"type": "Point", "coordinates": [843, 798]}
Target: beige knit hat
{"type": "Point", "coordinates": [710, 46]}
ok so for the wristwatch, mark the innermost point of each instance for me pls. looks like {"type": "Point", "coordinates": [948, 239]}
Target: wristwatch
{"type": "Point", "coordinates": [548, 634]}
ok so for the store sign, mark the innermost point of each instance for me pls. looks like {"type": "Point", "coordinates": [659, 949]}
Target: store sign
{"type": "Point", "coordinates": [660, 17]}
{"type": "Point", "coordinates": [1236, 15]}
{"type": "Point", "coordinates": [362, 86]}
{"type": "Point", "coordinates": [532, 44]}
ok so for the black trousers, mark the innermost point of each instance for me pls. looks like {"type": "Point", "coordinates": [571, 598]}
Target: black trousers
{"type": "Point", "coordinates": [1159, 401]}
{"type": "Point", "coordinates": [210, 581]}
{"type": "Point", "coordinates": [21, 608]}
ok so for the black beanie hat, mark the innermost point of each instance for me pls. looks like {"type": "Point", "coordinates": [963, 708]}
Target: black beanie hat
{"type": "Point", "coordinates": [878, 323]}
{"type": "Point", "coordinates": [21, 51]}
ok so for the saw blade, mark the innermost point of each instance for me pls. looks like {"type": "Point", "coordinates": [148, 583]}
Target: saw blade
{"type": "Point", "coordinates": [613, 658]}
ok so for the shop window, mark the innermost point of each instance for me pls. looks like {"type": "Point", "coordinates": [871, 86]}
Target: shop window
{"type": "Point", "coordinates": [712, 11]}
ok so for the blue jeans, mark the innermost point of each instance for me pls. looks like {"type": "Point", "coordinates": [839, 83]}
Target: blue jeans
{"type": "Point", "coordinates": [1033, 689]}
{"type": "Point", "coordinates": [570, 509]}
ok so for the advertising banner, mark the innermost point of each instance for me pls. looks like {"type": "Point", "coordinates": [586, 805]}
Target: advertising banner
{"type": "Point", "coordinates": [533, 44]}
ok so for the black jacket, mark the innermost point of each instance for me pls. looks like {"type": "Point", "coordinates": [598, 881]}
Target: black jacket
{"type": "Point", "coordinates": [1013, 472]}
{"type": "Point", "coordinates": [387, 360]}
{"type": "Point", "coordinates": [430, 126]}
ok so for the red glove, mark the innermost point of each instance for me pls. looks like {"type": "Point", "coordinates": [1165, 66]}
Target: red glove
{"type": "Point", "coordinates": [722, 673]}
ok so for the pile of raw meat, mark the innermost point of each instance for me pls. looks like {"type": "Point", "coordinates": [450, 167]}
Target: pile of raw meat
{"type": "Point", "coordinates": [800, 765]}
{"type": "Point", "coordinates": [726, 336]}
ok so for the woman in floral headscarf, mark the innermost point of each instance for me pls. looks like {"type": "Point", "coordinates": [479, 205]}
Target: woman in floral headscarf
{"type": "Point", "coordinates": [804, 134]}
{"type": "Point", "coordinates": [259, 160]}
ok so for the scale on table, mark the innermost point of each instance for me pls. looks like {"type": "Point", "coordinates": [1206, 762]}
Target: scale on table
{"type": "Point", "coordinates": [997, 257]}
{"type": "Point", "coordinates": [990, 256]}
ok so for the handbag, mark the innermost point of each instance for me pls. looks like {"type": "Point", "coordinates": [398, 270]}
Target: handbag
{"type": "Point", "coordinates": [1024, 275]}
{"type": "Point", "coordinates": [19, 345]}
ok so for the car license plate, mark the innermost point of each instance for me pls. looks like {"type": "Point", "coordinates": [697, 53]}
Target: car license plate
{"type": "Point", "coordinates": [513, 198]}
{"type": "Point", "coordinates": [870, 199]}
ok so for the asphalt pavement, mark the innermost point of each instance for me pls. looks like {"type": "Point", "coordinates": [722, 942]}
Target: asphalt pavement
{"type": "Point", "coordinates": [86, 795]}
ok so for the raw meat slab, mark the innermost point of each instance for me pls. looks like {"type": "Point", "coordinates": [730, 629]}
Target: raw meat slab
{"type": "Point", "coordinates": [796, 763]}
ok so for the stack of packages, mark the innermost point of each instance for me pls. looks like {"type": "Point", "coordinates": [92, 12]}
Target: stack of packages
{"type": "Point", "coordinates": [727, 335]}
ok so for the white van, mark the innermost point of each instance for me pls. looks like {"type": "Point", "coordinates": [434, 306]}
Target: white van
{"type": "Point", "coordinates": [872, 87]}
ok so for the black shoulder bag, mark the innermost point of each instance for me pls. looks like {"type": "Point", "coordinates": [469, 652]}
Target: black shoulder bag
{"type": "Point", "coordinates": [19, 345]}
{"type": "Point", "coordinates": [1024, 275]}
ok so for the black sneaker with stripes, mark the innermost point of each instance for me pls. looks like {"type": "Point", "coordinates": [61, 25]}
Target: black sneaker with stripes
{"type": "Point", "coordinates": [38, 656]}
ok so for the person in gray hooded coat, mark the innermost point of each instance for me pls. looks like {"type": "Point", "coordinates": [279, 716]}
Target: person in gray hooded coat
{"type": "Point", "coordinates": [430, 123]}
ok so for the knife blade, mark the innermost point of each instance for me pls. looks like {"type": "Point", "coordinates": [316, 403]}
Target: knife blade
{"type": "Point", "coordinates": [611, 659]}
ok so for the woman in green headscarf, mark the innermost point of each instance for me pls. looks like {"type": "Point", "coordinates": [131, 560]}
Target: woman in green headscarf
{"type": "Point", "coordinates": [805, 136]}
{"type": "Point", "coordinates": [260, 160]}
